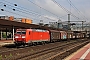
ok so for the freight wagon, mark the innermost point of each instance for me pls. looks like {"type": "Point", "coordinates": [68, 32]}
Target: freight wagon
{"type": "Point", "coordinates": [63, 35]}
{"type": "Point", "coordinates": [70, 34]}
{"type": "Point", "coordinates": [79, 34]}
{"type": "Point", "coordinates": [54, 35]}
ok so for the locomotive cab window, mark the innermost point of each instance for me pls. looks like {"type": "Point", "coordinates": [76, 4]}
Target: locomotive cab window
{"type": "Point", "coordinates": [18, 32]}
{"type": "Point", "coordinates": [23, 32]}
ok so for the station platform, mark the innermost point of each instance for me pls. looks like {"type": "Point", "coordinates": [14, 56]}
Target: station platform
{"type": "Point", "coordinates": [6, 42]}
{"type": "Point", "coordinates": [81, 54]}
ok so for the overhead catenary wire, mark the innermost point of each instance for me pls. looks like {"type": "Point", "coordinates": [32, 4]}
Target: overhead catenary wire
{"type": "Point", "coordinates": [19, 9]}
{"type": "Point", "coordinates": [34, 4]}
{"type": "Point", "coordinates": [12, 12]}
{"type": "Point", "coordinates": [43, 8]}
{"type": "Point", "coordinates": [59, 6]}
{"type": "Point", "coordinates": [77, 10]}
{"type": "Point", "coordinates": [17, 14]}
{"type": "Point", "coordinates": [71, 4]}
{"type": "Point", "coordinates": [65, 9]}
{"type": "Point", "coordinates": [24, 10]}
{"type": "Point", "coordinates": [11, 7]}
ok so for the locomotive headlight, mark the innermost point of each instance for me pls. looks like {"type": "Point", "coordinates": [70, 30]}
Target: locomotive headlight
{"type": "Point", "coordinates": [23, 36]}
{"type": "Point", "coordinates": [16, 37]}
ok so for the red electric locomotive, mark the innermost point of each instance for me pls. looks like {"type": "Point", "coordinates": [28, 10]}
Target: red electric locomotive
{"type": "Point", "coordinates": [24, 36]}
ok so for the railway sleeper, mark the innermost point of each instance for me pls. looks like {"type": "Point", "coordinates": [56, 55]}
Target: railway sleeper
{"type": "Point", "coordinates": [64, 54]}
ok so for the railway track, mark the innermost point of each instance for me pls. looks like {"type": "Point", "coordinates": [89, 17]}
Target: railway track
{"type": "Point", "coordinates": [62, 55]}
{"type": "Point", "coordinates": [14, 51]}
{"type": "Point", "coordinates": [50, 54]}
{"type": "Point", "coordinates": [38, 51]}
{"type": "Point", "coordinates": [5, 49]}
{"type": "Point", "coordinates": [13, 48]}
{"type": "Point", "coordinates": [10, 49]}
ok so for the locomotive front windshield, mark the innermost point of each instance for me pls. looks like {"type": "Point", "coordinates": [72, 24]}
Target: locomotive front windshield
{"type": "Point", "coordinates": [21, 32]}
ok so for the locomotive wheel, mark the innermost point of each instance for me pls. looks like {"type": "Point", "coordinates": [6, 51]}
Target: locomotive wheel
{"type": "Point", "coordinates": [30, 44]}
{"type": "Point", "coordinates": [24, 45]}
{"type": "Point", "coordinates": [43, 43]}
{"type": "Point", "coordinates": [34, 43]}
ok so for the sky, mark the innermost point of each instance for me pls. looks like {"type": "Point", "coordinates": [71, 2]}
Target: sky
{"type": "Point", "coordinates": [47, 10]}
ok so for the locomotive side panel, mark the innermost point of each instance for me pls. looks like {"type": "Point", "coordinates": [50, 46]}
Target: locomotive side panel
{"type": "Point", "coordinates": [39, 35]}
{"type": "Point", "coordinates": [46, 36]}
{"type": "Point", "coordinates": [28, 35]}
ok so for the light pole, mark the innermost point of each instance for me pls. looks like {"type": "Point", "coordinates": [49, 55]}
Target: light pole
{"type": "Point", "coordinates": [68, 21]}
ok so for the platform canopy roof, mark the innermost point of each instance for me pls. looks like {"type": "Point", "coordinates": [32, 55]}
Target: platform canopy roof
{"type": "Point", "coordinates": [8, 24]}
